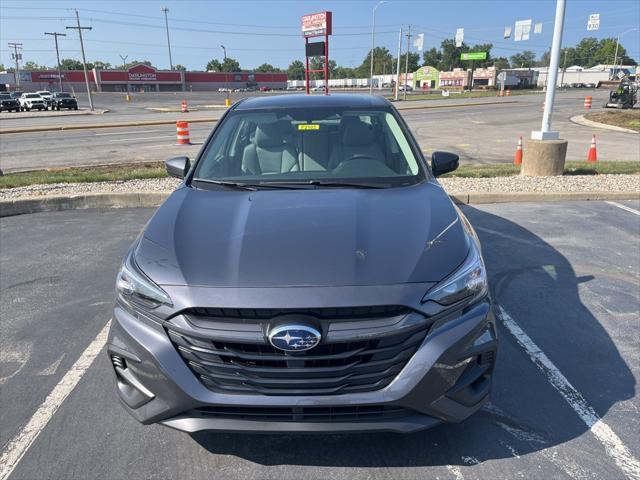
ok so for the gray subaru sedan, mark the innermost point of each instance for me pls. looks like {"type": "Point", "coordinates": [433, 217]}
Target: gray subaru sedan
{"type": "Point", "coordinates": [308, 275]}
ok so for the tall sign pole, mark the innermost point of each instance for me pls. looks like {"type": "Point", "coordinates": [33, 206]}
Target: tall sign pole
{"type": "Point", "coordinates": [398, 64]}
{"type": "Point", "coordinates": [84, 59]}
{"type": "Point", "coordinates": [317, 25]}
{"type": "Point", "coordinates": [545, 132]}
{"type": "Point", "coordinates": [55, 36]}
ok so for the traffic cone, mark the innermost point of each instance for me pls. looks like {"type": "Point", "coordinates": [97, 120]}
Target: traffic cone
{"type": "Point", "coordinates": [182, 129]}
{"type": "Point", "coordinates": [183, 107]}
{"type": "Point", "coordinates": [592, 157]}
{"type": "Point", "coordinates": [517, 160]}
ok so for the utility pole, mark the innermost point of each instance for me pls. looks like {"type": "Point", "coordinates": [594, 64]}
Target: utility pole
{"type": "Point", "coordinates": [124, 60]}
{"type": "Point", "coordinates": [84, 59]}
{"type": "Point", "coordinates": [406, 62]}
{"type": "Point", "coordinates": [55, 37]}
{"type": "Point", "coordinates": [17, 57]}
{"type": "Point", "coordinates": [166, 23]}
{"type": "Point", "coordinates": [615, 57]}
{"type": "Point", "coordinates": [398, 64]}
{"type": "Point", "coordinates": [373, 30]}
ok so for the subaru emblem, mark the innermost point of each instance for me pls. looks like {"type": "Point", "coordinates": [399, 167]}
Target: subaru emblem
{"type": "Point", "coordinates": [294, 338]}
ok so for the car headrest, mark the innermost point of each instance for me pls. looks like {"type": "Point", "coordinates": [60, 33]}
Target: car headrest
{"type": "Point", "coordinates": [356, 132]}
{"type": "Point", "coordinates": [269, 135]}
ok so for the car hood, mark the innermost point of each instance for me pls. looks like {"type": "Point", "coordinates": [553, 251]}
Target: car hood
{"type": "Point", "coordinates": [307, 237]}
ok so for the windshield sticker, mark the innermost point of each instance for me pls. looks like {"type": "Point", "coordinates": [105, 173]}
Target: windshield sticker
{"type": "Point", "coordinates": [306, 126]}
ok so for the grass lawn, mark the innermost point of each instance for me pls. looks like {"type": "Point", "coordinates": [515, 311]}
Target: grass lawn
{"type": "Point", "coordinates": [620, 118]}
{"type": "Point", "coordinates": [156, 170]}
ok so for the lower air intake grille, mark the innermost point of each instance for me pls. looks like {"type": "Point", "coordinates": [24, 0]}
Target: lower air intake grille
{"type": "Point", "coordinates": [304, 414]}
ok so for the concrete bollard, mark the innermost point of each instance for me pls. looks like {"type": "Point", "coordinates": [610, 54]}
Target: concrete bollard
{"type": "Point", "coordinates": [544, 158]}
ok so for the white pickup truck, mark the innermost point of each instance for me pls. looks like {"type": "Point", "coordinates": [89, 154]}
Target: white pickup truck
{"type": "Point", "coordinates": [29, 101]}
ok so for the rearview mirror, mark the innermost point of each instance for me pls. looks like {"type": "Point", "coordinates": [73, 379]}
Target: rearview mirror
{"type": "Point", "coordinates": [177, 166]}
{"type": "Point", "coordinates": [443, 162]}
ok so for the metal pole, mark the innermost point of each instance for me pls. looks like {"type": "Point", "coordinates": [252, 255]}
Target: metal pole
{"type": "Point", "coordinates": [306, 70]}
{"type": "Point", "coordinates": [406, 63]}
{"type": "Point", "coordinates": [326, 64]}
{"type": "Point", "coordinates": [545, 132]}
{"type": "Point", "coordinates": [224, 53]}
{"type": "Point", "coordinates": [398, 64]}
{"type": "Point", "coordinates": [55, 36]}
{"type": "Point", "coordinates": [16, 57]}
{"type": "Point", "coordinates": [564, 69]}
{"type": "Point", "coordinates": [84, 60]}
{"type": "Point", "coordinates": [373, 29]}
{"type": "Point", "coordinates": [166, 23]}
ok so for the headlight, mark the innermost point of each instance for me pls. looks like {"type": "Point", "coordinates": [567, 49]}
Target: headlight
{"type": "Point", "coordinates": [468, 282]}
{"type": "Point", "coordinates": [134, 286]}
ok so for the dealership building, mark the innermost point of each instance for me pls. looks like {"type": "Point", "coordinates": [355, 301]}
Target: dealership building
{"type": "Point", "coordinates": [143, 78]}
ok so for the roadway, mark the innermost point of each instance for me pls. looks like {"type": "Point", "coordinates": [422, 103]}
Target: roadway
{"type": "Point", "coordinates": [565, 404]}
{"type": "Point", "coordinates": [485, 132]}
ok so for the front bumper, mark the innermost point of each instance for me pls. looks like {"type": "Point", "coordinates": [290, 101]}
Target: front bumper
{"type": "Point", "coordinates": [446, 380]}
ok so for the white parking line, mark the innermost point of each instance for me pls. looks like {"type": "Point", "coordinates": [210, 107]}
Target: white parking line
{"type": "Point", "coordinates": [613, 445]}
{"type": "Point", "coordinates": [624, 207]}
{"type": "Point", "coordinates": [20, 444]}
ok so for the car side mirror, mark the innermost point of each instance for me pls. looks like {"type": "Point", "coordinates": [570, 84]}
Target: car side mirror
{"type": "Point", "coordinates": [177, 166]}
{"type": "Point", "coordinates": [443, 162]}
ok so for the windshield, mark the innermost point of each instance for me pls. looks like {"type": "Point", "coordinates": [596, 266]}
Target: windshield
{"type": "Point", "coordinates": [310, 146]}
{"type": "Point", "coordinates": [63, 95]}
{"type": "Point", "coordinates": [43, 93]}
{"type": "Point", "coordinates": [33, 95]}
{"type": "Point", "coordinates": [4, 96]}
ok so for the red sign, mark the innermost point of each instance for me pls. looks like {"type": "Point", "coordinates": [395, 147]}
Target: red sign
{"type": "Point", "coordinates": [316, 24]}
{"type": "Point", "coordinates": [142, 73]}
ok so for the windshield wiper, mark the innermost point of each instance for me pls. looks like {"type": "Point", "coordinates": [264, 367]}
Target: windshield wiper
{"type": "Point", "coordinates": [224, 183]}
{"type": "Point", "coordinates": [333, 183]}
{"type": "Point", "coordinates": [251, 186]}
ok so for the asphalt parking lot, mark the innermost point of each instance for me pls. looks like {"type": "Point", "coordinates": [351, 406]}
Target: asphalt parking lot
{"type": "Point", "coordinates": [565, 403]}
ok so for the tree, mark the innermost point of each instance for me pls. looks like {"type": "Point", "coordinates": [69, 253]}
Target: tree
{"type": "Point", "coordinates": [2, 69]}
{"type": "Point", "coordinates": [230, 65]}
{"type": "Point", "coordinates": [33, 66]}
{"type": "Point", "coordinates": [317, 63]}
{"type": "Point", "coordinates": [432, 58]}
{"type": "Point", "coordinates": [344, 72]}
{"type": "Point", "coordinates": [214, 65]}
{"type": "Point", "coordinates": [266, 67]}
{"type": "Point", "coordinates": [414, 62]}
{"type": "Point", "coordinates": [545, 59]}
{"type": "Point", "coordinates": [501, 63]}
{"type": "Point", "coordinates": [524, 59]}
{"type": "Point", "coordinates": [382, 63]}
{"type": "Point", "coordinates": [70, 64]}
{"type": "Point", "coordinates": [482, 47]}
{"type": "Point", "coordinates": [295, 71]}
{"type": "Point", "coordinates": [451, 55]}
{"type": "Point", "coordinates": [180, 67]}
{"type": "Point", "coordinates": [101, 65]}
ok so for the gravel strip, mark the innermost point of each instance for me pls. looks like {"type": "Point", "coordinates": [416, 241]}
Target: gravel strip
{"type": "Point", "coordinates": [570, 183]}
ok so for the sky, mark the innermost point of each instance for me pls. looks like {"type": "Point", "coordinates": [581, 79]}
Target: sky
{"type": "Point", "coordinates": [255, 32]}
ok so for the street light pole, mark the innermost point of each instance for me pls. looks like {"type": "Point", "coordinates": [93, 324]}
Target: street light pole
{"type": "Point", "coordinates": [55, 36]}
{"type": "Point", "coordinates": [395, 97]}
{"type": "Point", "coordinates": [373, 32]}
{"type": "Point", "coordinates": [166, 23]}
{"type": "Point", "coordinates": [615, 57]}
{"type": "Point", "coordinates": [224, 53]}
{"type": "Point", "coordinates": [545, 132]}
{"type": "Point", "coordinates": [84, 60]}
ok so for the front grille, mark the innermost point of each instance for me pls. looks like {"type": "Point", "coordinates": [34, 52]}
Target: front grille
{"type": "Point", "coordinates": [329, 368]}
{"type": "Point", "coordinates": [304, 414]}
{"type": "Point", "coordinates": [350, 313]}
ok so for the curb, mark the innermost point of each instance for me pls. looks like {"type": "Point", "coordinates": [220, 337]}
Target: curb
{"type": "Point", "coordinates": [580, 120]}
{"type": "Point", "coordinates": [49, 128]}
{"type": "Point", "coordinates": [455, 105]}
{"type": "Point", "coordinates": [56, 203]}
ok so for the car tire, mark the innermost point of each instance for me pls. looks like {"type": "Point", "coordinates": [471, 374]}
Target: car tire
{"type": "Point", "coordinates": [75, 108]}
{"type": "Point", "coordinates": [28, 109]}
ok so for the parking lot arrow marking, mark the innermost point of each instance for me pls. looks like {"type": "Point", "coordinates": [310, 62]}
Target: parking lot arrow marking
{"type": "Point", "coordinates": [613, 445]}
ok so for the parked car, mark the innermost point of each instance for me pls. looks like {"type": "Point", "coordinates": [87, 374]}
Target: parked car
{"type": "Point", "coordinates": [61, 100]}
{"type": "Point", "coordinates": [46, 95]}
{"type": "Point", "coordinates": [589, 85]}
{"type": "Point", "coordinates": [308, 275]}
{"type": "Point", "coordinates": [8, 103]}
{"type": "Point", "coordinates": [16, 94]}
{"type": "Point", "coordinates": [30, 101]}
{"type": "Point", "coordinates": [576, 85]}
{"type": "Point", "coordinates": [265, 88]}
{"type": "Point", "coordinates": [401, 88]}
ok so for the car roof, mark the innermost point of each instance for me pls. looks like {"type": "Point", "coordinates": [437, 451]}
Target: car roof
{"type": "Point", "coordinates": [312, 101]}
